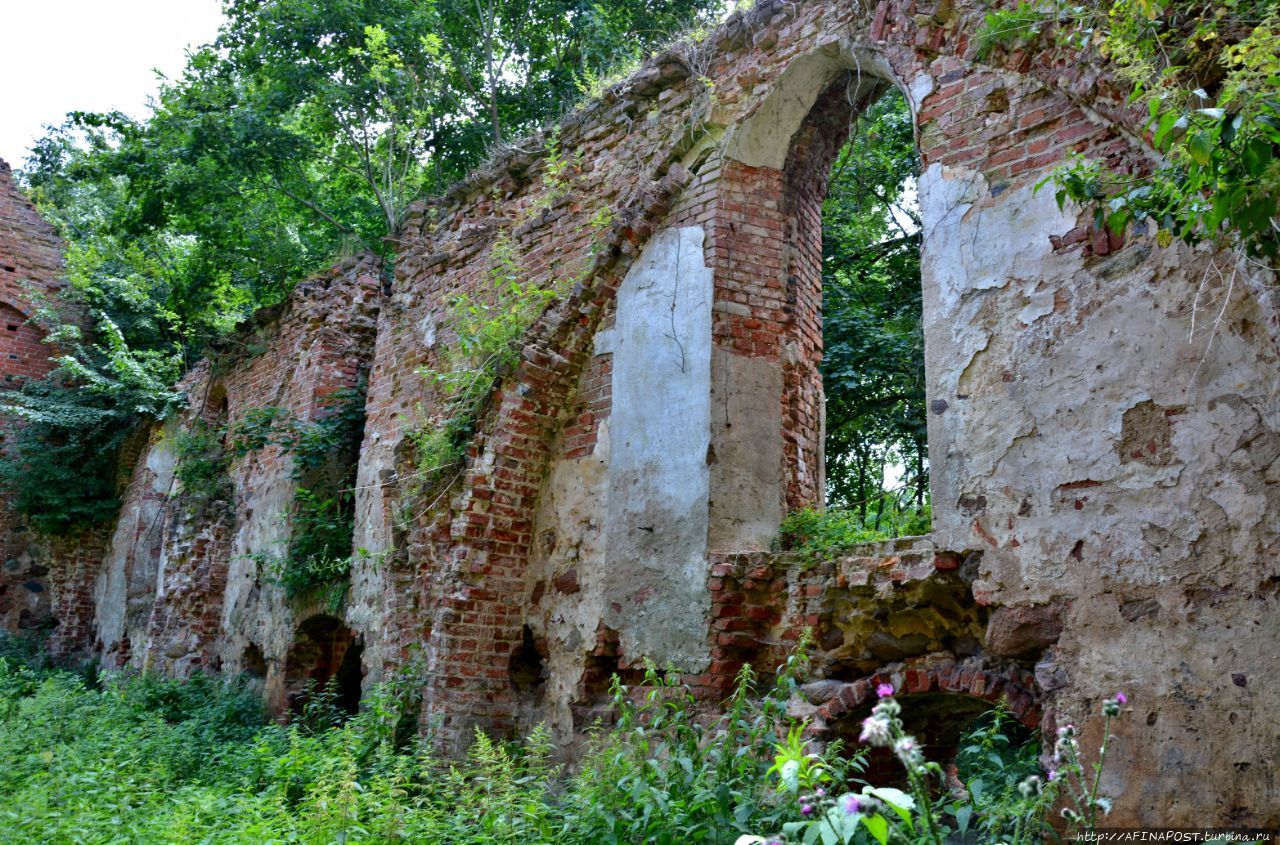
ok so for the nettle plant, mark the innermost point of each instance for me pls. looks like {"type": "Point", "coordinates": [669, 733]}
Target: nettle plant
{"type": "Point", "coordinates": [833, 815]}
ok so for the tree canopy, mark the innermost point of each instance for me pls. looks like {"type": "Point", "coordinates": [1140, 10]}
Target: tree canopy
{"type": "Point", "coordinates": [302, 132]}
{"type": "Point", "coordinates": [873, 359]}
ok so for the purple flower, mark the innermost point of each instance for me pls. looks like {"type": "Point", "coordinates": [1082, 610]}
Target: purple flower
{"type": "Point", "coordinates": [820, 792]}
{"type": "Point", "coordinates": [851, 804]}
{"type": "Point", "coordinates": [1053, 774]}
{"type": "Point", "coordinates": [806, 810]}
{"type": "Point", "coordinates": [1122, 698]}
{"type": "Point", "coordinates": [884, 690]}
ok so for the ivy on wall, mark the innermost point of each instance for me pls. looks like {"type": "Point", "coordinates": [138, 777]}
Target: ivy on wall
{"type": "Point", "coordinates": [323, 453]}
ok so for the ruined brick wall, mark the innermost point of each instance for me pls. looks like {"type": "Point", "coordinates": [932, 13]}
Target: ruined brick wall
{"type": "Point", "coordinates": [1103, 487]}
{"type": "Point", "coordinates": [30, 257]}
{"type": "Point", "coordinates": [667, 409]}
{"type": "Point", "coordinates": [45, 583]}
{"type": "Point", "coordinates": [182, 587]}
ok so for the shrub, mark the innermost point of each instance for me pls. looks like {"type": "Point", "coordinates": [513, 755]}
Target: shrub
{"type": "Point", "coordinates": [814, 533]}
{"type": "Point", "coordinates": [149, 760]}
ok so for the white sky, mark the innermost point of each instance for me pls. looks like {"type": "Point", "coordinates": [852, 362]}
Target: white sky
{"type": "Point", "coordinates": [58, 56]}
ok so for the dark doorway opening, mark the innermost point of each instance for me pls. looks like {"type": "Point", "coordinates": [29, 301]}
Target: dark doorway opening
{"type": "Point", "coordinates": [324, 664]}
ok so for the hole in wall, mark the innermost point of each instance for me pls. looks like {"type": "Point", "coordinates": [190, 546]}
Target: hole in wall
{"type": "Point", "coordinates": [325, 656]}
{"type": "Point", "coordinates": [527, 667]}
{"type": "Point", "coordinates": [938, 722]}
{"type": "Point", "coordinates": [253, 663]}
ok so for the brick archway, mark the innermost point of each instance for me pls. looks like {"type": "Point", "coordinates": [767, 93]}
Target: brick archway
{"type": "Point", "coordinates": [842, 700]}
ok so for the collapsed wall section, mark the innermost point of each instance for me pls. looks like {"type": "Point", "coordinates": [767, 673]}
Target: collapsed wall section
{"type": "Point", "coordinates": [45, 582]}
{"type": "Point", "coordinates": [192, 578]}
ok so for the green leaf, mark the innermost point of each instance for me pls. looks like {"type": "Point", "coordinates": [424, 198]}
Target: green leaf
{"type": "Point", "coordinates": [1167, 122]}
{"type": "Point", "coordinates": [1200, 147]}
{"type": "Point", "coordinates": [878, 826]}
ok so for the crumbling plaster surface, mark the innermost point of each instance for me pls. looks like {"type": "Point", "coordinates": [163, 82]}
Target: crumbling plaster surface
{"type": "Point", "coordinates": [656, 518]}
{"type": "Point", "coordinates": [1073, 413]}
{"type": "Point", "coordinates": [569, 577]}
{"type": "Point", "coordinates": [1104, 455]}
{"type": "Point", "coordinates": [126, 585]}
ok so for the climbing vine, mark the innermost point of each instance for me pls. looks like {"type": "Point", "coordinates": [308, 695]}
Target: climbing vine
{"type": "Point", "coordinates": [323, 454]}
{"type": "Point", "coordinates": [201, 466]}
{"type": "Point", "coordinates": [486, 334]}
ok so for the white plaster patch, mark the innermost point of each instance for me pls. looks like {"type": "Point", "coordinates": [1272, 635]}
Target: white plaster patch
{"type": "Point", "coordinates": [919, 88]}
{"type": "Point", "coordinates": [656, 519]}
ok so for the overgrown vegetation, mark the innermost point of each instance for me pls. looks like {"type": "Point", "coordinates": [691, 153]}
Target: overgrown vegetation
{"type": "Point", "coordinates": [925, 814]}
{"type": "Point", "coordinates": [141, 759]}
{"type": "Point", "coordinates": [324, 454]}
{"type": "Point", "coordinates": [485, 330]}
{"type": "Point", "coordinates": [813, 532]}
{"type": "Point", "coordinates": [873, 356]}
{"type": "Point", "coordinates": [1208, 75]}
{"type": "Point", "coordinates": [201, 465]}
{"type": "Point", "coordinates": [58, 466]}
{"type": "Point", "coordinates": [300, 134]}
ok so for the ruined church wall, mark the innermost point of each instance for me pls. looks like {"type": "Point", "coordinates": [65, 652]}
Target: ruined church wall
{"type": "Point", "coordinates": [45, 583]}
{"type": "Point", "coordinates": [1070, 417]}
{"type": "Point", "coordinates": [1103, 427]}
{"type": "Point", "coordinates": [184, 585]}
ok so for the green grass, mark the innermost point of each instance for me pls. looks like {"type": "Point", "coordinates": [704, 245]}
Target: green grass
{"type": "Point", "coordinates": [139, 759]}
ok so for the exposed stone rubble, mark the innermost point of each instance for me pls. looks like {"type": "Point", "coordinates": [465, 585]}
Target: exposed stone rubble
{"type": "Point", "coordinates": [1106, 492]}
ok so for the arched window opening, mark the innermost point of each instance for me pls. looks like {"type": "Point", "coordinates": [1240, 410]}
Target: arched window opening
{"type": "Point", "coordinates": [876, 448]}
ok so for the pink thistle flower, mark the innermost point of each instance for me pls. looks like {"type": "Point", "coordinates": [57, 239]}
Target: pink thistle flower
{"type": "Point", "coordinates": [1122, 698]}
{"type": "Point", "coordinates": [884, 690]}
{"type": "Point", "coordinates": [875, 731]}
{"type": "Point", "coordinates": [851, 805]}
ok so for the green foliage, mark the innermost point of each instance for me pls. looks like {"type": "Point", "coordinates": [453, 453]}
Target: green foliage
{"type": "Point", "coordinates": [873, 356]}
{"type": "Point", "coordinates": [1209, 77]}
{"type": "Point", "coordinates": [311, 443]}
{"type": "Point", "coordinates": [989, 810]}
{"type": "Point", "coordinates": [1011, 28]}
{"type": "Point", "coordinates": [486, 331]}
{"type": "Point", "coordinates": [661, 776]}
{"type": "Point", "coordinates": [146, 760]}
{"type": "Point", "coordinates": [59, 465]}
{"type": "Point", "coordinates": [202, 462]}
{"type": "Point", "coordinates": [997, 756]}
{"type": "Point", "coordinates": [324, 454]}
{"type": "Point", "coordinates": [817, 533]}
{"type": "Point", "coordinates": [319, 546]}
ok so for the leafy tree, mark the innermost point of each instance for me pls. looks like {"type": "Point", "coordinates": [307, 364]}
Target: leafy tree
{"type": "Point", "coordinates": [304, 130]}
{"type": "Point", "coordinates": [873, 366]}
